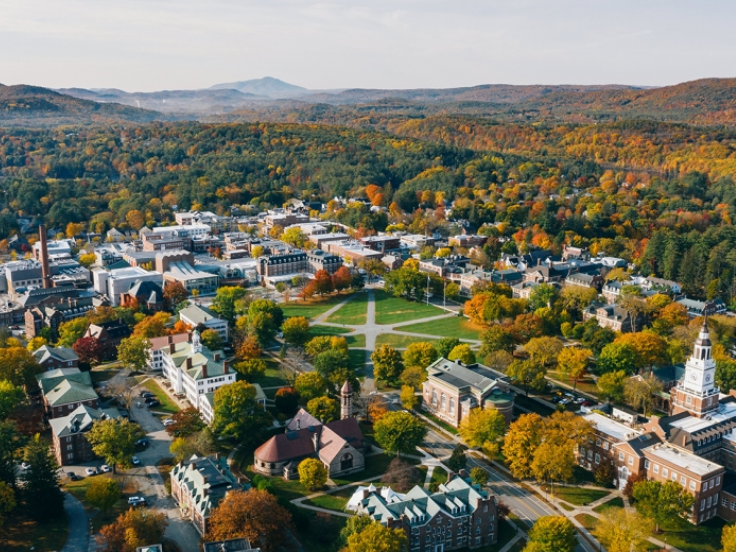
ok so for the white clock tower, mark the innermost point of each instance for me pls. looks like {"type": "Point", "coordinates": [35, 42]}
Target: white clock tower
{"type": "Point", "coordinates": [697, 392]}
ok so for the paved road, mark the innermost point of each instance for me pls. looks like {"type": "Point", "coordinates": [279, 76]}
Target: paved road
{"type": "Point", "coordinates": [78, 539]}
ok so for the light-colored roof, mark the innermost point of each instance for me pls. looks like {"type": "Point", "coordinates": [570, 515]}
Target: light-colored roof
{"type": "Point", "coordinates": [461, 376]}
{"type": "Point", "coordinates": [68, 391]}
{"type": "Point", "coordinates": [684, 460]}
{"type": "Point", "coordinates": [46, 352]}
{"type": "Point", "coordinates": [302, 419]}
{"type": "Point", "coordinates": [726, 411]}
{"type": "Point", "coordinates": [198, 314]}
{"type": "Point", "coordinates": [81, 420]}
{"type": "Point", "coordinates": [215, 368]}
{"type": "Point", "coordinates": [182, 270]}
{"type": "Point", "coordinates": [612, 428]}
{"type": "Point", "coordinates": [388, 494]}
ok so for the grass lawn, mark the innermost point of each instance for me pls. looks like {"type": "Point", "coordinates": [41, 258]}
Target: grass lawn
{"type": "Point", "coordinates": [354, 312]}
{"type": "Point", "coordinates": [167, 405]}
{"type": "Point", "coordinates": [690, 538]}
{"type": "Point", "coordinates": [455, 326]}
{"type": "Point", "coordinates": [318, 534]}
{"type": "Point", "coordinates": [375, 465]}
{"type": "Point", "coordinates": [328, 330]}
{"type": "Point", "coordinates": [20, 533]}
{"type": "Point", "coordinates": [357, 340]}
{"type": "Point", "coordinates": [505, 534]}
{"type": "Point", "coordinates": [566, 506]}
{"type": "Point", "coordinates": [356, 360]}
{"type": "Point", "coordinates": [289, 490]}
{"type": "Point", "coordinates": [311, 309]}
{"type": "Point", "coordinates": [617, 502]}
{"type": "Point", "coordinates": [394, 310]}
{"type": "Point", "coordinates": [400, 341]}
{"type": "Point", "coordinates": [333, 501]}
{"type": "Point", "coordinates": [442, 424]}
{"type": "Point", "coordinates": [105, 372]}
{"type": "Point", "coordinates": [578, 495]}
{"type": "Point", "coordinates": [439, 476]}
{"type": "Point", "coordinates": [587, 521]}
{"type": "Point", "coordinates": [586, 384]}
{"type": "Point", "coordinates": [98, 519]}
{"type": "Point", "coordinates": [272, 377]}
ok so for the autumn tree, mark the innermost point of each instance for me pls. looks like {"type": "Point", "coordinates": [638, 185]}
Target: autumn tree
{"type": "Point", "coordinates": [114, 440]}
{"type": "Point", "coordinates": [296, 330]}
{"type": "Point", "coordinates": [377, 537]}
{"type": "Point", "coordinates": [103, 493]}
{"type": "Point", "coordinates": [398, 432]}
{"type": "Point", "coordinates": [483, 428]}
{"type": "Point", "coordinates": [237, 414]}
{"type": "Point", "coordinates": [573, 361]}
{"type": "Point", "coordinates": [620, 530]}
{"type": "Point", "coordinates": [728, 538]}
{"type": "Point", "coordinates": [414, 376]}
{"type": "Point", "coordinates": [463, 353]}
{"type": "Point", "coordinates": [186, 423]}
{"type": "Point", "coordinates": [286, 401]}
{"type": "Point", "coordinates": [133, 529]}
{"type": "Point", "coordinates": [342, 279]}
{"type": "Point", "coordinates": [648, 347]}
{"type": "Point", "coordinates": [639, 392]}
{"type": "Point", "coordinates": [134, 352]}
{"type": "Point", "coordinates": [544, 349]}
{"type": "Point", "coordinates": [152, 326]}
{"type": "Point", "coordinates": [325, 409]}
{"type": "Point", "coordinates": [310, 385]}
{"type": "Point", "coordinates": [420, 355]}
{"type": "Point", "coordinates": [322, 343]}
{"type": "Point", "coordinates": [212, 340]}
{"type": "Point", "coordinates": [323, 282]}
{"type": "Point", "coordinates": [407, 397]}
{"type": "Point", "coordinates": [662, 502]}
{"type": "Point", "coordinates": [552, 534]}
{"type": "Point", "coordinates": [11, 396]}
{"type": "Point", "coordinates": [478, 475]}
{"type": "Point", "coordinates": [201, 443]}
{"type": "Point", "coordinates": [249, 349]}
{"type": "Point", "coordinates": [18, 366]}
{"type": "Point", "coordinates": [611, 386]}
{"type": "Point", "coordinates": [255, 515]}
{"type": "Point", "coordinates": [387, 363]}
{"type": "Point", "coordinates": [72, 330]}
{"type": "Point", "coordinates": [445, 345]}
{"type": "Point", "coordinates": [90, 350]}
{"type": "Point", "coordinates": [312, 474]}
{"type": "Point", "coordinates": [527, 372]}
{"type": "Point", "coordinates": [174, 294]}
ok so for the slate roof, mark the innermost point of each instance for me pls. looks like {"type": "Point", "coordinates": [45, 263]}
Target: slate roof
{"type": "Point", "coordinates": [115, 329]}
{"type": "Point", "coordinates": [475, 376]}
{"type": "Point", "coordinates": [206, 480]}
{"type": "Point", "coordinates": [49, 380]}
{"type": "Point", "coordinates": [68, 391]}
{"type": "Point", "coordinates": [81, 420]}
{"type": "Point", "coordinates": [673, 372]}
{"type": "Point", "coordinates": [150, 290]}
{"type": "Point", "coordinates": [46, 352]}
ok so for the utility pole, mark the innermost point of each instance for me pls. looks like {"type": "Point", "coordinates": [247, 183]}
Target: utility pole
{"type": "Point", "coordinates": [428, 289]}
{"type": "Point", "coordinates": [444, 295]}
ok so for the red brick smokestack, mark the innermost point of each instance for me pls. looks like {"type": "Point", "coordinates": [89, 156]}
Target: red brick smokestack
{"type": "Point", "coordinates": [45, 272]}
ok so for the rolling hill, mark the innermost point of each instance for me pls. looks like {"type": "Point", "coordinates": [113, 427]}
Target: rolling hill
{"type": "Point", "coordinates": [267, 86]}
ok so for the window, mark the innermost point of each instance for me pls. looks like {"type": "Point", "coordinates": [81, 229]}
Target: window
{"type": "Point", "coordinates": [434, 397]}
{"type": "Point", "coordinates": [718, 480]}
{"type": "Point", "coordinates": [664, 472]}
{"type": "Point", "coordinates": [70, 447]}
{"type": "Point", "coordinates": [597, 442]}
{"type": "Point", "coordinates": [631, 460]}
{"type": "Point", "coordinates": [605, 445]}
{"type": "Point", "coordinates": [733, 506]}
{"type": "Point", "coordinates": [724, 502]}
{"type": "Point", "coordinates": [442, 402]}
{"type": "Point", "coordinates": [674, 476]}
{"type": "Point", "coordinates": [590, 455]}
{"type": "Point", "coordinates": [346, 462]}
{"type": "Point", "coordinates": [715, 499]}
{"type": "Point", "coordinates": [656, 468]}
{"type": "Point", "coordinates": [621, 456]}
{"type": "Point", "coordinates": [692, 485]}
{"type": "Point", "coordinates": [683, 480]}
{"type": "Point", "coordinates": [452, 406]}
{"type": "Point", "coordinates": [688, 399]}
{"type": "Point", "coordinates": [646, 464]}
{"type": "Point", "coordinates": [708, 503]}
{"type": "Point", "coordinates": [702, 505]}
{"type": "Point", "coordinates": [597, 458]}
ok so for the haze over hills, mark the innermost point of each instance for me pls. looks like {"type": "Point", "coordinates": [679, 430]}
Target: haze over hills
{"type": "Point", "coordinates": [267, 86]}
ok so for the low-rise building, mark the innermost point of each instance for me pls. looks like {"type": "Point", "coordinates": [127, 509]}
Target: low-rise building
{"type": "Point", "coordinates": [453, 389]}
{"type": "Point", "coordinates": [321, 260]}
{"type": "Point", "coordinates": [146, 294]}
{"type": "Point", "coordinates": [69, 433]}
{"type": "Point", "coordinates": [381, 243]}
{"type": "Point", "coordinates": [610, 316]}
{"type": "Point", "coordinates": [458, 516]}
{"type": "Point", "coordinates": [113, 283]}
{"type": "Point", "coordinates": [64, 390]}
{"type": "Point", "coordinates": [697, 309]}
{"type": "Point", "coordinates": [578, 279]}
{"type": "Point", "coordinates": [467, 240]}
{"type": "Point", "coordinates": [199, 484]}
{"type": "Point", "coordinates": [198, 316]}
{"type": "Point", "coordinates": [282, 265]}
{"type": "Point", "coordinates": [110, 334]}
{"type": "Point", "coordinates": [352, 251]}
{"type": "Point", "coordinates": [155, 353]}
{"type": "Point", "coordinates": [54, 358]}
{"type": "Point", "coordinates": [321, 240]}
{"type": "Point", "coordinates": [192, 279]}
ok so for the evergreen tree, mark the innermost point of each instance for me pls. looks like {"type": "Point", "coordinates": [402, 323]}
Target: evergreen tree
{"type": "Point", "coordinates": [42, 488]}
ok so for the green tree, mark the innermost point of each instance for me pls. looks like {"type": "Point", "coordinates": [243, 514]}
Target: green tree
{"type": "Point", "coordinates": [544, 295]}
{"type": "Point", "coordinates": [527, 372]}
{"type": "Point", "coordinates": [552, 534]}
{"type": "Point", "coordinates": [483, 428]}
{"type": "Point", "coordinates": [201, 443]}
{"type": "Point", "coordinates": [114, 440]}
{"type": "Point", "coordinates": [408, 397]}
{"type": "Point", "coordinates": [639, 392]}
{"type": "Point", "coordinates": [398, 432]}
{"type": "Point", "coordinates": [11, 396]}
{"type": "Point", "coordinates": [72, 330]}
{"type": "Point", "coordinates": [420, 354]}
{"type": "Point", "coordinates": [225, 302]}
{"type": "Point", "coordinates": [133, 529]}
{"type": "Point", "coordinates": [296, 330]}
{"type": "Point", "coordinates": [387, 364]}
{"type": "Point", "coordinates": [623, 531]}
{"type": "Point", "coordinates": [413, 376]}
{"type": "Point", "coordinates": [18, 366]}
{"type": "Point", "coordinates": [463, 353]}
{"type": "Point", "coordinates": [324, 409]}
{"type": "Point", "coordinates": [134, 352]}
{"type": "Point", "coordinates": [7, 501]}
{"type": "Point", "coordinates": [611, 386]}
{"type": "Point", "coordinates": [478, 475]}
{"type": "Point", "coordinates": [212, 340]}
{"type": "Point", "coordinates": [310, 385]}
{"type": "Point", "coordinates": [544, 349]}
{"type": "Point", "coordinates": [445, 345]}
{"type": "Point", "coordinates": [496, 338]}
{"type": "Point", "coordinates": [662, 502]}
{"type": "Point", "coordinates": [377, 538]}
{"type": "Point", "coordinates": [312, 474]}
{"type": "Point", "coordinates": [103, 493]}
{"type": "Point", "coordinates": [41, 486]}
{"type": "Point", "coordinates": [329, 362]}
{"type": "Point", "coordinates": [237, 414]}
{"type": "Point", "coordinates": [457, 460]}
{"type": "Point", "coordinates": [251, 369]}
{"type": "Point", "coordinates": [615, 357]}
{"type": "Point", "coordinates": [11, 442]}
{"type": "Point", "coordinates": [573, 361]}
{"type": "Point", "coordinates": [353, 525]}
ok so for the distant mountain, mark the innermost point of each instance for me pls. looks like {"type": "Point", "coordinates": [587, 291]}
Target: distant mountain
{"type": "Point", "coordinates": [180, 102]}
{"type": "Point", "coordinates": [267, 86]}
{"type": "Point", "coordinates": [23, 104]}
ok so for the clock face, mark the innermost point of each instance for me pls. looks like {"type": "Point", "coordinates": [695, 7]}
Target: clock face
{"type": "Point", "coordinates": [692, 377]}
{"type": "Point", "coordinates": [707, 378]}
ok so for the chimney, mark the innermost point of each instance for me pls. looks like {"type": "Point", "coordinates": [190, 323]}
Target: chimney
{"type": "Point", "coordinates": [45, 271]}
{"type": "Point", "coordinates": [189, 363]}
{"type": "Point", "coordinates": [298, 425]}
{"type": "Point", "coordinates": [204, 370]}
{"type": "Point", "coordinates": [172, 347]}
{"type": "Point", "coordinates": [225, 367]}
{"type": "Point", "coordinates": [217, 356]}
{"type": "Point", "coordinates": [171, 340]}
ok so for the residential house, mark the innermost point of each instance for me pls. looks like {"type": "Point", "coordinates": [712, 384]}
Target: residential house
{"type": "Point", "coordinates": [321, 260]}
{"type": "Point", "coordinates": [146, 294]}
{"type": "Point", "coordinates": [611, 316]}
{"type": "Point", "coordinates": [199, 484]}
{"type": "Point", "coordinates": [592, 281]}
{"type": "Point", "coordinates": [453, 389]}
{"type": "Point", "coordinates": [458, 516]}
{"type": "Point", "coordinates": [54, 358]}
{"type": "Point", "coordinates": [467, 240]}
{"type": "Point", "coordinates": [204, 318]}
{"type": "Point", "coordinates": [110, 334]}
{"type": "Point", "coordinates": [696, 309]}
{"type": "Point", "coordinates": [69, 433]}
{"type": "Point", "coordinates": [64, 390]}
{"type": "Point", "coordinates": [392, 262]}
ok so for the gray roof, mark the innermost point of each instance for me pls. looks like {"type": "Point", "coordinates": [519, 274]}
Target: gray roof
{"type": "Point", "coordinates": [459, 376]}
{"type": "Point", "coordinates": [46, 352]}
{"type": "Point", "coordinates": [81, 420]}
{"type": "Point", "coordinates": [198, 314]}
{"type": "Point", "coordinates": [48, 380]}
{"type": "Point", "coordinates": [210, 474]}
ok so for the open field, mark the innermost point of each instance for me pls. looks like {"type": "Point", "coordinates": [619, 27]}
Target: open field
{"type": "Point", "coordinates": [167, 405]}
{"type": "Point", "coordinates": [393, 310]}
{"type": "Point", "coordinates": [356, 340]}
{"type": "Point", "coordinates": [617, 502]}
{"type": "Point", "coordinates": [376, 464]}
{"type": "Point", "coordinates": [401, 341]}
{"type": "Point", "coordinates": [356, 359]}
{"type": "Point", "coordinates": [328, 330]}
{"type": "Point", "coordinates": [578, 495]}
{"type": "Point", "coordinates": [272, 376]}
{"type": "Point", "coordinates": [353, 313]}
{"type": "Point", "coordinates": [312, 308]}
{"type": "Point", "coordinates": [454, 326]}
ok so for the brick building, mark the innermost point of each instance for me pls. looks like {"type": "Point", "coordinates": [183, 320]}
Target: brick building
{"type": "Point", "coordinates": [320, 260]}
{"type": "Point", "coordinates": [52, 358]}
{"type": "Point", "coordinates": [281, 265]}
{"type": "Point", "coordinates": [110, 334]}
{"type": "Point", "coordinates": [69, 434]}
{"type": "Point", "coordinates": [64, 390]}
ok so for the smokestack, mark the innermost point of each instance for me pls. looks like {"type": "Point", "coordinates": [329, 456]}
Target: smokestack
{"type": "Point", "coordinates": [45, 272]}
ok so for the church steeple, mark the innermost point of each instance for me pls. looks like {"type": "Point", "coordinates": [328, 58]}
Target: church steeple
{"type": "Point", "coordinates": [196, 342]}
{"type": "Point", "coordinates": [697, 392]}
{"type": "Point", "coordinates": [346, 401]}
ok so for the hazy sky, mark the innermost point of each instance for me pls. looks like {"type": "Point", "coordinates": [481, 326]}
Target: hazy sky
{"type": "Point", "coordinates": [168, 44]}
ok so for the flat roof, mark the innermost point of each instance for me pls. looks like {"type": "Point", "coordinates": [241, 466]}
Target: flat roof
{"type": "Point", "coordinates": [692, 424]}
{"type": "Point", "coordinates": [615, 429]}
{"type": "Point", "coordinates": [685, 460]}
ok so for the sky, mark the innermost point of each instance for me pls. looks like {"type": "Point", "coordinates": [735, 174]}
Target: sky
{"type": "Point", "coordinates": [147, 45]}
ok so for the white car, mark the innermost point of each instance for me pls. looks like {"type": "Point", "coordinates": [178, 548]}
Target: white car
{"type": "Point", "coordinates": [25, 465]}
{"type": "Point", "coordinates": [104, 468]}
{"type": "Point", "coordinates": [136, 461]}
{"type": "Point", "coordinates": [136, 501]}
{"type": "Point", "coordinates": [91, 471]}
{"type": "Point", "coordinates": [168, 421]}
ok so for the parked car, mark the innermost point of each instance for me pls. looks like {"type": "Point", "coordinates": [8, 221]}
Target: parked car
{"type": "Point", "coordinates": [587, 403]}
{"type": "Point", "coordinates": [168, 421]}
{"type": "Point", "coordinates": [154, 402]}
{"type": "Point", "coordinates": [136, 461]}
{"type": "Point", "coordinates": [580, 400]}
{"type": "Point", "coordinates": [73, 476]}
{"type": "Point", "coordinates": [137, 501]}
{"type": "Point", "coordinates": [104, 468]}
{"type": "Point", "coordinates": [142, 442]}
{"type": "Point", "coordinates": [555, 399]}
{"type": "Point", "coordinates": [91, 471]}
{"type": "Point", "coordinates": [150, 397]}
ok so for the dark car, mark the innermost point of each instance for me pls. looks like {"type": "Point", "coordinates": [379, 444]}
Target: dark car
{"type": "Point", "coordinates": [147, 395]}
{"type": "Point", "coordinates": [555, 399]}
{"type": "Point", "coordinates": [142, 442]}
{"type": "Point", "coordinates": [154, 402]}
{"type": "Point", "coordinates": [150, 398]}
{"type": "Point", "coordinates": [73, 476]}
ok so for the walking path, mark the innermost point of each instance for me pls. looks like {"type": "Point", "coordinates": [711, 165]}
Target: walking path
{"type": "Point", "coordinates": [78, 538]}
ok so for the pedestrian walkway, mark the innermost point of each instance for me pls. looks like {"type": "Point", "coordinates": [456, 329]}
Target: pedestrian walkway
{"type": "Point", "coordinates": [78, 538]}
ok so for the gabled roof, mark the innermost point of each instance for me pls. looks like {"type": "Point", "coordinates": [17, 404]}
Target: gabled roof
{"type": "Point", "coordinates": [148, 290]}
{"type": "Point", "coordinates": [81, 420]}
{"type": "Point", "coordinates": [68, 391]}
{"type": "Point", "coordinates": [46, 352]}
{"type": "Point", "coordinates": [206, 480]}
{"type": "Point", "coordinates": [114, 329]}
{"type": "Point", "coordinates": [204, 357]}
{"type": "Point", "coordinates": [199, 314]}
{"type": "Point", "coordinates": [49, 380]}
{"type": "Point", "coordinates": [454, 374]}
